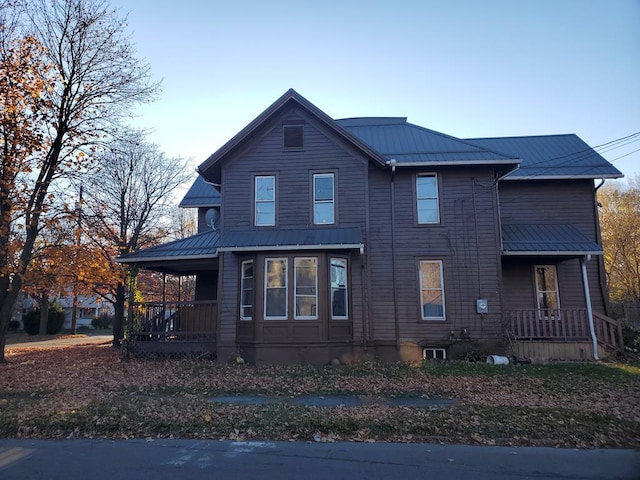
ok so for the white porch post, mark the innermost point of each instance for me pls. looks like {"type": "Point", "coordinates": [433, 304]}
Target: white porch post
{"type": "Point", "coordinates": [587, 298]}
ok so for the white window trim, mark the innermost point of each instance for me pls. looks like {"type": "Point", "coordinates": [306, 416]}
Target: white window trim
{"type": "Point", "coordinates": [346, 289]}
{"type": "Point", "coordinates": [436, 198]}
{"type": "Point", "coordinates": [242, 278]}
{"type": "Point", "coordinates": [256, 201]}
{"type": "Point", "coordinates": [332, 201]}
{"type": "Point", "coordinates": [295, 289]}
{"type": "Point", "coordinates": [538, 291]}
{"type": "Point", "coordinates": [444, 308]}
{"type": "Point", "coordinates": [286, 288]}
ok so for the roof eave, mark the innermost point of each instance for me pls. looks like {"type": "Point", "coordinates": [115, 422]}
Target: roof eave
{"type": "Point", "coordinates": [199, 205]}
{"type": "Point", "coordinates": [450, 163]}
{"type": "Point", "coordinates": [166, 258]}
{"type": "Point", "coordinates": [320, 246]}
{"type": "Point", "coordinates": [543, 253]}
{"type": "Point", "coordinates": [564, 177]}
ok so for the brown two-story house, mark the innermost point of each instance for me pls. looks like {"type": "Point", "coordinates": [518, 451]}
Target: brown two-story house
{"type": "Point", "coordinates": [362, 238]}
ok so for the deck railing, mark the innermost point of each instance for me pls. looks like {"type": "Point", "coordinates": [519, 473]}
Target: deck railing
{"type": "Point", "coordinates": [568, 325]}
{"type": "Point", "coordinates": [173, 321]}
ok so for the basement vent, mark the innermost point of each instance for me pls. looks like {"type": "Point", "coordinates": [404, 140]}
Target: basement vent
{"type": "Point", "coordinates": [293, 137]}
{"type": "Point", "coordinates": [434, 354]}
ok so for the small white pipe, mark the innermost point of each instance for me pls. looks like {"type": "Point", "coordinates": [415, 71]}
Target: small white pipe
{"type": "Point", "coordinates": [587, 298]}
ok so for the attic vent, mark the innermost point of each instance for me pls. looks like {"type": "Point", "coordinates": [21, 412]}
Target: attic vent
{"type": "Point", "coordinates": [293, 137]}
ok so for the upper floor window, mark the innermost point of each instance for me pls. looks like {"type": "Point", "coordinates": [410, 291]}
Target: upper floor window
{"type": "Point", "coordinates": [547, 288]}
{"type": "Point", "coordinates": [323, 199]}
{"type": "Point", "coordinates": [246, 291]}
{"type": "Point", "coordinates": [431, 290]}
{"type": "Point", "coordinates": [293, 137]}
{"type": "Point", "coordinates": [265, 200]}
{"type": "Point", "coordinates": [427, 199]}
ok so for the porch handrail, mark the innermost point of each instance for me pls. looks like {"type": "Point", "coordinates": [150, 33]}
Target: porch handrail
{"type": "Point", "coordinates": [548, 324]}
{"type": "Point", "coordinates": [608, 331]}
{"type": "Point", "coordinates": [562, 325]}
{"type": "Point", "coordinates": [174, 320]}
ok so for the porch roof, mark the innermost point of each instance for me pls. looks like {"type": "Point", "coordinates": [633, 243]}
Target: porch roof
{"type": "Point", "coordinates": [546, 240]}
{"type": "Point", "coordinates": [200, 246]}
{"type": "Point", "coordinates": [332, 238]}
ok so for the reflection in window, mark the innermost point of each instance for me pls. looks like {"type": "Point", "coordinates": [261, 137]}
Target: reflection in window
{"type": "Point", "coordinates": [427, 199]}
{"type": "Point", "coordinates": [431, 290]}
{"type": "Point", "coordinates": [547, 288]}
{"type": "Point", "coordinates": [246, 291]}
{"type": "Point", "coordinates": [339, 309]}
{"type": "Point", "coordinates": [275, 294]}
{"type": "Point", "coordinates": [306, 288]}
{"type": "Point", "coordinates": [265, 200]}
{"type": "Point", "coordinates": [323, 199]}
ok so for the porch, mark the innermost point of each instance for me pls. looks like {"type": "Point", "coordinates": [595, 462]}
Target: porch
{"type": "Point", "coordinates": [560, 334]}
{"type": "Point", "coordinates": [171, 329]}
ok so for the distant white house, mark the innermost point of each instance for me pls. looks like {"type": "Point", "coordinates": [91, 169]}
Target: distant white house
{"type": "Point", "coordinates": [89, 307]}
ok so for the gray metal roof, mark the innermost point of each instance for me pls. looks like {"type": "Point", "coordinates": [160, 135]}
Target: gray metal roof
{"type": "Point", "coordinates": [546, 240]}
{"type": "Point", "coordinates": [396, 139]}
{"type": "Point", "coordinates": [551, 157]}
{"type": "Point", "coordinates": [342, 238]}
{"type": "Point", "coordinates": [201, 194]}
{"type": "Point", "coordinates": [203, 245]}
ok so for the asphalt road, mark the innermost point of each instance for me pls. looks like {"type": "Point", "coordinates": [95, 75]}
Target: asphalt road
{"type": "Point", "coordinates": [195, 460]}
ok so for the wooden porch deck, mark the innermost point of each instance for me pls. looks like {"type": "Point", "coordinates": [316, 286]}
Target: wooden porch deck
{"type": "Point", "coordinates": [173, 329]}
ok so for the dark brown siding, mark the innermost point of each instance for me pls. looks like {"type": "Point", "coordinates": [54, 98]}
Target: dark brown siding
{"type": "Point", "coordinates": [470, 259]}
{"type": "Point", "coordinates": [293, 170]}
{"type": "Point", "coordinates": [550, 202]}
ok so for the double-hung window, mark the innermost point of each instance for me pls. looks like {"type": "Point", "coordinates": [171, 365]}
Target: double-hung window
{"type": "Point", "coordinates": [339, 304]}
{"type": "Point", "coordinates": [427, 199]}
{"type": "Point", "coordinates": [265, 200]}
{"type": "Point", "coordinates": [275, 289]}
{"type": "Point", "coordinates": [431, 290]}
{"type": "Point", "coordinates": [323, 199]}
{"type": "Point", "coordinates": [246, 290]}
{"type": "Point", "coordinates": [306, 288]}
{"type": "Point", "coordinates": [547, 289]}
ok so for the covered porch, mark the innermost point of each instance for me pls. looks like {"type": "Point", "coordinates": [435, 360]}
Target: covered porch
{"type": "Point", "coordinates": [182, 327]}
{"type": "Point", "coordinates": [554, 300]}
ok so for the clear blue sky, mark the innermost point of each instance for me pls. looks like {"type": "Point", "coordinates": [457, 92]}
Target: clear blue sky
{"type": "Point", "coordinates": [466, 68]}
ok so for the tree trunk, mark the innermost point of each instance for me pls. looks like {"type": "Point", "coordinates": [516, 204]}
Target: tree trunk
{"type": "Point", "coordinates": [118, 320]}
{"type": "Point", "coordinates": [9, 289]}
{"type": "Point", "coordinates": [43, 301]}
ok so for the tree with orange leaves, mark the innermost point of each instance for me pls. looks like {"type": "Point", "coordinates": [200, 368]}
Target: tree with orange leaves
{"type": "Point", "coordinates": [68, 75]}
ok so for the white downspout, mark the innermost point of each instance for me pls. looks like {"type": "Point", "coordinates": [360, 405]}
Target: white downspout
{"type": "Point", "coordinates": [587, 298]}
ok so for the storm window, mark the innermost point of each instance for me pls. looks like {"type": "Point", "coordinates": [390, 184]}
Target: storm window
{"type": "Point", "coordinates": [427, 199]}
{"type": "Point", "coordinates": [431, 290]}
{"type": "Point", "coordinates": [265, 200]}
{"type": "Point", "coordinates": [323, 199]}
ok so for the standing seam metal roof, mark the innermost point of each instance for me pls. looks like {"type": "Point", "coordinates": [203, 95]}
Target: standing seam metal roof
{"type": "Point", "coordinates": [552, 156]}
{"type": "Point", "coordinates": [393, 137]}
{"type": "Point", "coordinates": [541, 239]}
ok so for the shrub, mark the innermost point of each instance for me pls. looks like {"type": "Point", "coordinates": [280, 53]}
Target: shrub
{"type": "Point", "coordinates": [55, 320]}
{"type": "Point", "coordinates": [31, 322]}
{"type": "Point", "coordinates": [103, 321]}
{"type": "Point", "coordinates": [14, 325]}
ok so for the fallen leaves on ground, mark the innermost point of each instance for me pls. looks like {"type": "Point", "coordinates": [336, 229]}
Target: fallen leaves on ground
{"type": "Point", "coordinates": [90, 391]}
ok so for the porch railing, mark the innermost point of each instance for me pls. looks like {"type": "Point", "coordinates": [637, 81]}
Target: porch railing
{"type": "Point", "coordinates": [174, 321]}
{"type": "Point", "coordinates": [569, 325]}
